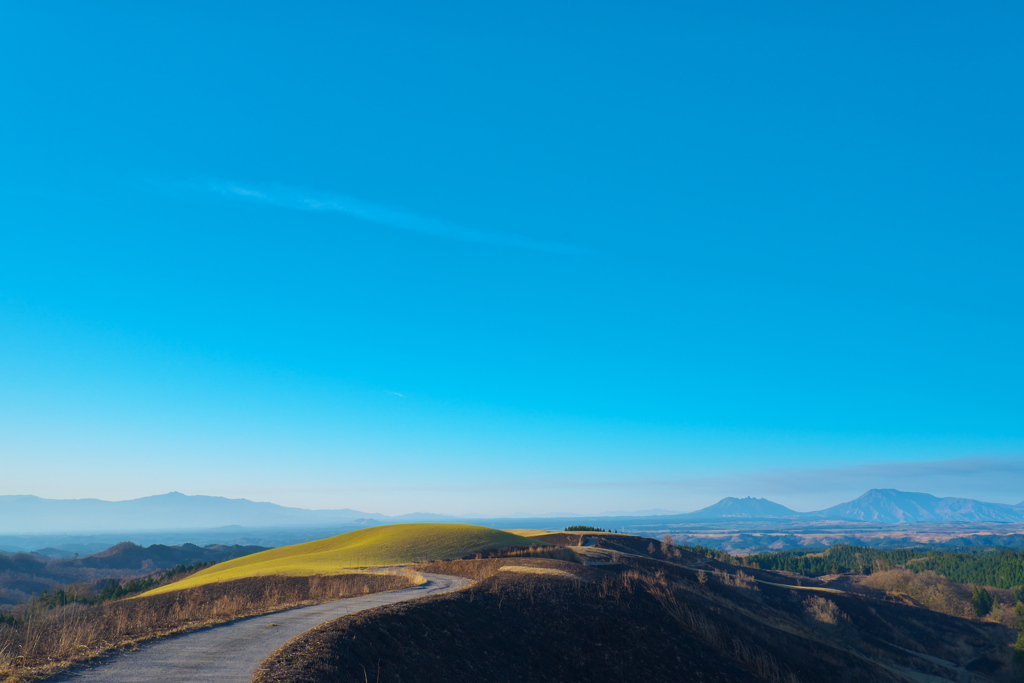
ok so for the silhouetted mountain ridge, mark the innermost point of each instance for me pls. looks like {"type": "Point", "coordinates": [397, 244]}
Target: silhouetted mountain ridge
{"type": "Point", "coordinates": [879, 506]}
{"type": "Point", "coordinates": [31, 514]}
{"type": "Point", "coordinates": [750, 508]}
{"type": "Point", "coordinates": [176, 511]}
{"type": "Point", "coordinates": [889, 506]}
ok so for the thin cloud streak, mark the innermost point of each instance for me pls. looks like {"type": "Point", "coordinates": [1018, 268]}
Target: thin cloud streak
{"type": "Point", "coordinates": [301, 200]}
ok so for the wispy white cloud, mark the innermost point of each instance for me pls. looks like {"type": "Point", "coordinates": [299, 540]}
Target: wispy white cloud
{"type": "Point", "coordinates": [303, 200]}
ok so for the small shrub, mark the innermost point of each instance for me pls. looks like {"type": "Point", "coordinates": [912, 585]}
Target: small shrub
{"type": "Point", "coordinates": [738, 580]}
{"type": "Point", "coordinates": [1018, 650]}
{"type": "Point", "coordinates": [823, 610]}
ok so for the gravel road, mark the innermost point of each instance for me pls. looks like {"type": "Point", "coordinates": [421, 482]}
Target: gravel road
{"type": "Point", "coordinates": [232, 652]}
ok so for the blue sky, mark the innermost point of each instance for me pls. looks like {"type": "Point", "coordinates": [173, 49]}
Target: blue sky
{"type": "Point", "coordinates": [511, 257]}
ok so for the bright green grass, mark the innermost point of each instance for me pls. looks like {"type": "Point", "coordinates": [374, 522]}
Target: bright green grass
{"type": "Point", "coordinates": [372, 547]}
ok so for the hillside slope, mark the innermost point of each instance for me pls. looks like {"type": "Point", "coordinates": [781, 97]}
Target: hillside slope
{"type": "Point", "coordinates": [376, 546]}
{"type": "Point", "coordinates": [642, 619]}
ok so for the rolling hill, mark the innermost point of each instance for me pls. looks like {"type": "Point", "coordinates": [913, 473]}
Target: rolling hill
{"type": "Point", "coordinates": [377, 546]}
{"type": "Point", "coordinates": [23, 575]}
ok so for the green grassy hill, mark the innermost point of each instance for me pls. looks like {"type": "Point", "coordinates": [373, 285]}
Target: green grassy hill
{"type": "Point", "coordinates": [372, 547]}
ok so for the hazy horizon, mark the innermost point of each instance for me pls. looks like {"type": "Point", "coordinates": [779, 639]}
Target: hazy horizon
{"type": "Point", "coordinates": [611, 511]}
{"type": "Point", "coordinates": [470, 259]}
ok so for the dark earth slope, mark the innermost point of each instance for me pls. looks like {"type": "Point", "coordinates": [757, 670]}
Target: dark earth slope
{"type": "Point", "coordinates": [642, 619]}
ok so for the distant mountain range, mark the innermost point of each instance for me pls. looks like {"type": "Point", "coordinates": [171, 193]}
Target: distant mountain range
{"type": "Point", "coordinates": [889, 506]}
{"type": "Point", "coordinates": [881, 506]}
{"type": "Point", "coordinates": [31, 514]}
{"type": "Point", "coordinates": [176, 511]}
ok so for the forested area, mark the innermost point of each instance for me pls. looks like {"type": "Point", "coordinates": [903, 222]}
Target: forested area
{"type": "Point", "coordinates": [984, 567]}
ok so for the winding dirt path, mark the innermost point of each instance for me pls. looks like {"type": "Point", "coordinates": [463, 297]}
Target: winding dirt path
{"type": "Point", "coordinates": [230, 653]}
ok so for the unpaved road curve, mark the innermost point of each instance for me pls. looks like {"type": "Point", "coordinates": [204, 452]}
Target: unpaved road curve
{"type": "Point", "coordinates": [232, 652]}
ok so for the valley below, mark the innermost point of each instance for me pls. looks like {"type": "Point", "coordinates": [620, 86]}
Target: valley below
{"type": "Point", "coordinates": [757, 536]}
{"type": "Point", "coordinates": [890, 587]}
{"type": "Point", "coordinates": [581, 604]}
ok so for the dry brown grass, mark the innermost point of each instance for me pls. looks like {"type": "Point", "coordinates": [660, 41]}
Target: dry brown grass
{"type": "Point", "coordinates": [639, 620]}
{"type": "Point", "coordinates": [927, 589]}
{"type": "Point", "coordinates": [738, 579]}
{"type": "Point", "coordinates": [535, 551]}
{"type": "Point", "coordinates": [940, 594]}
{"type": "Point", "coordinates": [546, 571]}
{"type": "Point", "coordinates": [519, 623]}
{"type": "Point", "coordinates": [674, 601]}
{"type": "Point", "coordinates": [484, 568]}
{"type": "Point", "coordinates": [48, 641]}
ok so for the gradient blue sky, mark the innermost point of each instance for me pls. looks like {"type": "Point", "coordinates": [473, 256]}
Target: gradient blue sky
{"type": "Point", "coordinates": [479, 257]}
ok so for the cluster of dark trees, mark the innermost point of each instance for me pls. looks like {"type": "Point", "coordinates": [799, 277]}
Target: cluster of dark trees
{"type": "Point", "coordinates": [985, 567]}
{"type": "Point", "coordinates": [713, 554]}
{"type": "Point", "coordinates": [584, 527]}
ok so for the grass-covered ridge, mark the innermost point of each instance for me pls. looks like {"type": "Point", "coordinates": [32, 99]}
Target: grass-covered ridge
{"type": "Point", "coordinates": [372, 547]}
{"type": "Point", "coordinates": [528, 533]}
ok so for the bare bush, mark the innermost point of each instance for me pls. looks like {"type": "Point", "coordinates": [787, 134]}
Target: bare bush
{"type": "Point", "coordinates": [823, 610]}
{"type": "Point", "coordinates": [739, 579]}
{"type": "Point", "coordinates": [1007, 614]}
